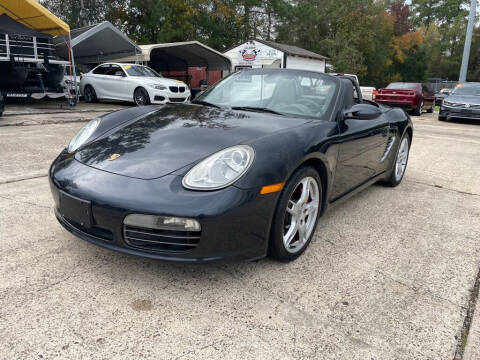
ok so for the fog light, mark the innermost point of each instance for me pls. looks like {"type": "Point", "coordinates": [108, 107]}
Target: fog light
{"type": "Point", "coordinates": [162, 222]}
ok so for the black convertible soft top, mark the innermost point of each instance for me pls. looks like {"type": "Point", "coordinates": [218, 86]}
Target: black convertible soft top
{"type": "Point", "coordinates": [12, 27]}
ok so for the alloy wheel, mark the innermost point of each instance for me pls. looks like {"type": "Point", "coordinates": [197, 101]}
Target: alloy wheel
{"type": "Point", "coordinates": [402, 158]}
{"type": "Point", "coordinates": [141, 98]}
{"type": "Point", "coordinates": [301, 214]}
{"type": "Point", "coordinates": [88, 95]}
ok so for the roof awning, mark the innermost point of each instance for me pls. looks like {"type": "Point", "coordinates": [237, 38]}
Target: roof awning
{"type": "Point", "coordinates": [34, 16]}
{"type": "Point", "coordinates": [98, 43]}
{"type": "Point", "coordinates": [182, 55]}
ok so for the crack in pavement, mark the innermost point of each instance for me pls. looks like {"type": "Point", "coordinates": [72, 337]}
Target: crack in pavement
{"type": "Point", "coordinates": [31, 122]}
{"type": "Point", "coordinates": [24, 202]}
{"type": "Point", "coordinates": [23, 179]}
{"type": "Point", "coordinates": [467, 322]}
{"type": "Point", "coordinates": [443, 187]}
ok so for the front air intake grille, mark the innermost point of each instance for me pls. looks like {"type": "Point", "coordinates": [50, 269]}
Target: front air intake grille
{"type": "Point", "coordinates": [176, 100]}
{"type": "Point", "coordinates": [96, 232]}
{"type": "Point", "coordinates": [174, 89]}
{"type": "Point", "coordinates": [161, 240]}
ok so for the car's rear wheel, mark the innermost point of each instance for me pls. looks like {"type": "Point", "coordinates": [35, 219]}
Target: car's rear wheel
{"type": "Point", "coordinates": [431, 109]}
{"type": "Point", "coordinates": [401, 161]}
{"type": "Point", "coordinates": [419, 110]}
{"type": "Point", "coordinates": [89, 94]}
{"type": "Point", "coordinates": [141, 97]}
{"type": "Point", "coordinates": [296, 215]}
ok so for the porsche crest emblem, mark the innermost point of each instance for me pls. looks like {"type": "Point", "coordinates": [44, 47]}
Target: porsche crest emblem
{"type": "Point", "coordinates": [113, 157]}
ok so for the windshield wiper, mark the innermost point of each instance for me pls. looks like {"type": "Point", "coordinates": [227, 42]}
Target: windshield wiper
{"type": "Point", "coordinates": [205, 103]}
{"type": "Point", "coordinates": [259, 109]}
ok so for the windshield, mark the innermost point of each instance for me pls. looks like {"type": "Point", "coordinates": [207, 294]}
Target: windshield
{"type": "Point", "coordinates": [467, 89]}
{"type": "Point", "coordinates": [408, 86]}
{"type": "Point", "coordinates": [291, 92]}
{"type": "Point", "coordinates": [138, 70]}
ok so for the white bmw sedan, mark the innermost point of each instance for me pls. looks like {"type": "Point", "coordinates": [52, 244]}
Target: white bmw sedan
{"type": "Point", "coordinates": [128, 82]}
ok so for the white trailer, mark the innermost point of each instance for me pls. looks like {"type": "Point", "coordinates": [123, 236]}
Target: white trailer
{"type": "Point", "coordinates": [268, 54]}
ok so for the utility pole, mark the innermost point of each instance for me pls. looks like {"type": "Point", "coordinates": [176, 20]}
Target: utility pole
{"type": "Point", "coordinates": [468, 42]}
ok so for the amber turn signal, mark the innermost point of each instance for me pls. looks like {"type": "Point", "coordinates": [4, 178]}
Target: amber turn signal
{"type": "Point", "coordinates": [272, 188]}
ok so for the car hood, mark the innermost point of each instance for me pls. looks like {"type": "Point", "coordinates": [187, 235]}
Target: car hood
{"type": "Point", "coordinates": [175, 136]}
{"type": "Point", "coordinates": [464, 99]}
{"type": "Point", "coordinates": [159, 81]}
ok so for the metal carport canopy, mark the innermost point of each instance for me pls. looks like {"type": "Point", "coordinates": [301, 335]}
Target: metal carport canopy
{"type": "Point", "coordinates": [181, 55]}
{"type": "Point", "coordinates": [97, 43]}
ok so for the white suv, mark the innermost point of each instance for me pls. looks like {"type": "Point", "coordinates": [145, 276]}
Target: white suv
{"type": "Point", "coordinates": [128, 82]}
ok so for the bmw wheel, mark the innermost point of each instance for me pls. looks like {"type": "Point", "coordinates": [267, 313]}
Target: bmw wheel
{"type": "Point", "coordinates": [141, 97]}
{"type": "Point", "coordinates": [89, 94]}
{"type": "Point", "coordinates": [296, 216]}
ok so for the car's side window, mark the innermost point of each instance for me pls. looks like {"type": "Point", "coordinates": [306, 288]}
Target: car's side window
{"type": "Point", "coordinates": [101, 70]}
{"type": "Point", "coordinates": [115, 70]}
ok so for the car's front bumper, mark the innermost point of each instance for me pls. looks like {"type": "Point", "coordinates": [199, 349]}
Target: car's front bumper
{"type": "Point", "coordinates": [166, 96]}
{"type": "Point", "coordinates": [235, 222]}
{"type": "Point", "coordinates": [448, 113]}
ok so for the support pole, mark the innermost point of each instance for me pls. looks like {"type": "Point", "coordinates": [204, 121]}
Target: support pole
{"type": "Point", "coordinates": [73, 69]}
{"type": "Point", "coordinates": [468, 42]}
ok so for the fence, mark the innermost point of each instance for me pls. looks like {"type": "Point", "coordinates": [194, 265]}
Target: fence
{"type": "Point", "coordinates": [437, 85]}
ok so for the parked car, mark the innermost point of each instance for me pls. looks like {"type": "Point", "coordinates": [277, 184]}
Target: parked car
{"type": "Point", "coordinates": [442, 94]}
{"type": "Point", "coordinates": [68, 82]}
{"type": "Point", "coordinates": [414, 97]}
{"type": "Point", "coordinates": [2, 104]}
{"type": "Point", "coordinates": [229, 175]}
{"type": "Point", "coordinates": [135, 83]}
{"type": "Point", "coordinates": [368, 92]}
{"type": "Point", "coordinates": [462, 103]}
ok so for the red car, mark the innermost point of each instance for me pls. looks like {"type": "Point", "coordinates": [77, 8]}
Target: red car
{"type": "Point", "coordinates": [414, 97]}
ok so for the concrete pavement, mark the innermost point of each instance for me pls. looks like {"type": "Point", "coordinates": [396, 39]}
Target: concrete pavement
{"type": "Point", "coordinates": [388, 275]}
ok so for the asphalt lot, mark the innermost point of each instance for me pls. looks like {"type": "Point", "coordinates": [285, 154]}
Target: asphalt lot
{"type": "Point", "coordinates": [388, 276]}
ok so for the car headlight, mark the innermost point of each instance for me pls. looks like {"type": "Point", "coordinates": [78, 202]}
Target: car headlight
{"type": "Point", "coordinates": [220, 169]}
{"type": "Point", "coordinates": [83, 135]}
{"type": "Point", "coordinates": [447, 103]}
{"type": "Point", "coordinates": [159, 87]}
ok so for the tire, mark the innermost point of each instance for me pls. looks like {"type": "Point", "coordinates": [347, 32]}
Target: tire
{"type": "Point", "coordinates": [418, 111]}
{"type": "Point", "coordinates": [431, 109]}
{"type": "Point", "coordinates": [442, 118]}
{"type": "Point", "coordinates": [141, 97]}
{"type": "Point", "coordinates": [395, 176]}
{"type": "Point", "coordinates": [304, 210]}
{"type": "Point", "coordinates": [89, 94]}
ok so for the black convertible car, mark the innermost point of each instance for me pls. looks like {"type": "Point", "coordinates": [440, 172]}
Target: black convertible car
{"type": "Point", "coordinates": [243, 172]}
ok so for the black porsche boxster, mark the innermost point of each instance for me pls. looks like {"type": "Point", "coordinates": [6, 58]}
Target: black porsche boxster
{"type": "Point", "coordinates": [243, 172]}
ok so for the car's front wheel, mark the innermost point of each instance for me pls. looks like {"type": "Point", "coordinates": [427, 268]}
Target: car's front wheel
{"type": "Point", "coordinates": [141, 97]}
{"type": "Point", "coordinates": [296, 215]}
{"type": "Point", "coordinates": [89, 94]}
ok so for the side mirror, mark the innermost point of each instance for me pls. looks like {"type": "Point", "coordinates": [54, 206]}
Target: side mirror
{"type": "Point", "coordinates": [362, 112]}
{"type": "Point", "coordinates": [447, 92]}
